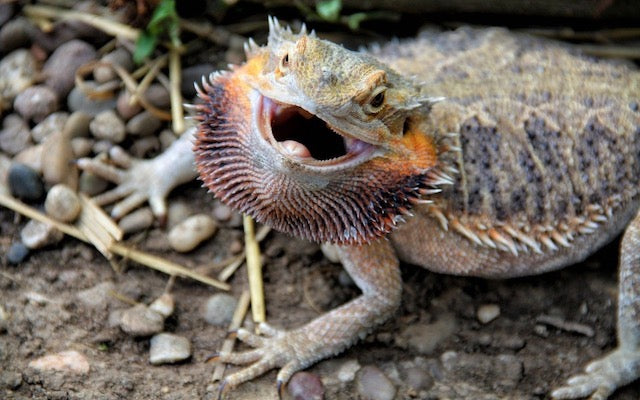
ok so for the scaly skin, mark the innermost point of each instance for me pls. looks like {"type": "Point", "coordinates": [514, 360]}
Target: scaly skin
{"type": "Point", "coordinates": [487, 154]}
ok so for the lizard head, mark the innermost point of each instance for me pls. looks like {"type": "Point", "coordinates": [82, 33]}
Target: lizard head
{"type": "Point", "coordinates": [316, 140]}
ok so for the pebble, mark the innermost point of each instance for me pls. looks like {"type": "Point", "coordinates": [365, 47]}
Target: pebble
{"type": "Point", "coordinates": [5, 165]}
{"type": "Point", "coordinates": [18, 71]}
{"type": "Point", "coordinates": [194, 74]}
{"type": "Point", "coordinates": [7, 10]}
{"type": "Point", "coordinates": [60, 68]}
{"type": "Point", "coordinates": [178, 211]}
{"type": "Point", "coordinates": [62, 203]}
{"type": "Point", "coordinates": [15, 34]}
{"type": "Point", "coordinates": [222, 212]}
{"type": "Point", "coordinates": [373, 384]}
{"type": "Point", "coordinates": [188, 234]}
{"type": "Point", "coordinates": [166, 348]}
{"type": "Point", "coordinates": [57, 154]}
{"type": "Point", "coordinates": [167, 137]}
{"type": "Point", "coordinates": [124, 108]}
{"type": "Point", "coordinates": [139, 320]}
{"type": "Point", "coordinates": [107, 126]}
{"type": "Point", "coordinates": [10, 379]}
{"type": "Point", "coordinates": [163, 305]}
{"type": "Point", "coordinates": [78, 101]}
{"type": "Point", "coordinates": [36, 234]}
{"type": "Point", "coordinates": [418, 379]}
{"type": "Point", "coordinates": [17, 253]}
{"type": "Point", "coordinates": [67, 361]}
{"type": "Point", "coordinates": [424, 338]}
{"type": "Point", "coordinates": [487, 313]}
{"type": "Point", "coordinates": [136, 221]}
{"type": "Point", "coordinates": [219, 309]}
{"type": "Point", "coordinates": [120, 57]}
{"type": "Point", "coordinates": [31, 157]}
{"type": "Point", "coordinates": [52, 123]}
{"type": "Point", "coordinates": [145, 146]}
{"type": "Point", "coordinates": [91, 184]}
{"type": "Point", "coordinates": [98, 296]}
{"type": "Point", "coordinates": [348, 370]}
{"type": "Point", "coordinates": [504, 370]}
{"type": "Point", "coordinates": [81, 146]}
{"type": "Point", "coordinates": [15, 135]}
{"type": "Point", "coordinates": [158, 95]}
{"type": "Point", "coordinates": [306, 386]}
{"type": "Point", "coordinates": [25, 183]}
{"type": "Point", "coordinates": [77, 124]}
{"type": "Point", "coordinates": [143, 124]}
{"type": "Point", "coordinates": [36, 103]}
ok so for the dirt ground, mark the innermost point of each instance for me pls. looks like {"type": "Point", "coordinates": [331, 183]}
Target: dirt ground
{"type": "Point", "coordinates": [511, 357]}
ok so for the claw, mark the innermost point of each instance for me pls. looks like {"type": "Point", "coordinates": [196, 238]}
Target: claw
{"type": "Point", "coordinates": [280, 386]}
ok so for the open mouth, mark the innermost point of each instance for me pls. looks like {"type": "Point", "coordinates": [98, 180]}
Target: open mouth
{"type": "Point", "coordinates": [305, 138]}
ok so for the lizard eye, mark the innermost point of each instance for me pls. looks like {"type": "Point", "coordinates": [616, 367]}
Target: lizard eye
{"type": "Point", "coordinates": [376, 101]}
{"type": "Point", "coordinates": [284, 63]}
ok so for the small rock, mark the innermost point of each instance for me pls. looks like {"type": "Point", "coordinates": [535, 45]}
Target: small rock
{"type": "Point", "coordinates": [194, 74]}
{"type": "Point", "coordinates": [57, 155]}
{"type": "Point", "coordinates": [98, 296]}
{"type": "Point", "coordinates": [15, 135]}
{"type": "Point", "coordinates": [91, 184]}
{"type": "Point", "coordinates": [163, 305]}
{"type": "Point", "coordinates": [158, 96]}
{"type": "Point", "coordinates": [305, 386]}
{"type": "Point", "coordinates": [139, 320]}
{"type": "Point", "coordinates": [167, 137]}
{"type": "Point", "coordinates": [219, 309]}
{"type": "Point", "coordinates": [166, 348]}
{"type": "Point", "coordinates": [124, 106]}
{"type": "Point", "coordinates": [62, 203]}
{"type": "Point", "coordinates": [18, 71]}
{"type": "Point", "coordinates": [418, 379]}
{"type": "Point", "coordinates": [36, 234]}
{"type": "Point", "coordinates": [17, 253]}
{"type": "Point", "coordinates": [77, 125]}
{"type": "Point", "coordinates": [138, 220]}
{"type": "Point", "coordinates": [25, 183]}
{"type": "Point", "coordinates": [145, 146]}
{"type": "Point", "coordinates": [487, 313]}
{"type": "Point", "coordinates": [15, 34]}
{"type": "Point", "coordinates": [348, 370]}
{"type": "Point", "coordinates": [52, 123]}
{"type": "Point", "coordinates": [188, 234]}
{"type": "Point", "coordinates": [373, 384]}
{"type": "Point", "coordinates": [120, 57]}
{"type": "Point", "coordinates": [78, 101]}
{"type": "Point", "coordinates": [504, 370]}
{"type": "Point", "coordinates": [81, 146]}
{"type": "Point", "coordinates": [108, 126]}
{"type": "Point", "coordinates": [143, 124]}
{"type": "Point", "coordinates": [31, 157]}
{"type": "Point", "coordinates": [7, 10]}
{"type": "Point", "coordinates": [66, 361]}
{"type": "Point", "coordinates": [36, 103]}
{"type": "Point", "coordinates": [222, 212]}
{"type": "Point", "coordinates": [424, 338]}
{"type": "Point", "coordinates": [178, 211]}
{"type": "Point", "coordinates": [60, 68]}
{"type": "Point", "coordinates": [10, 379]}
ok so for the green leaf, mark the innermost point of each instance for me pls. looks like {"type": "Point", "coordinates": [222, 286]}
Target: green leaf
{"type": "Point", "coordinates": [329, 9]}
{"type": "Point", "coordinates": [354, 20]}
{"type": "Point", "coordinates": [144, 46]}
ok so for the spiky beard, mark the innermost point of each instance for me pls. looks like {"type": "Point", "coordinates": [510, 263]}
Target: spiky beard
{"type": "Point", "coordinates": [347, 207]}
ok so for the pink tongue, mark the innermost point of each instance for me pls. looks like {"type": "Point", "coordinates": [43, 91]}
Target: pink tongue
{"type": "Point", "coordinates": [295, 149]}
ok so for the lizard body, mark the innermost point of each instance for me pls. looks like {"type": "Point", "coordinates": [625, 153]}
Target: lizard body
{"type": "Point", "coordinates": [475, 152]}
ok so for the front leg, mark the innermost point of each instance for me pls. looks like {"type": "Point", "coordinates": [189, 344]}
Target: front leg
{"type": "Point", "coordinates": [374, 268]}
{"type": "Point", "coordinates": [621, 366]}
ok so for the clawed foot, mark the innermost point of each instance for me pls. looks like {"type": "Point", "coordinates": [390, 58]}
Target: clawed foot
{"type": "Point", "coordinates": [274, 348]}
{"type": "Point", "coordinates": [602, 376]}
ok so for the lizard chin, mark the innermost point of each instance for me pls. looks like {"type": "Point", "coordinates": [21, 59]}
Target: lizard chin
{"type": "Point", "coordinates": [307, 140]}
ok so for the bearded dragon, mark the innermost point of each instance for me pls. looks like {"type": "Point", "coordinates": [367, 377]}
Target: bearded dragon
{"type": "Point", "coordinates": [475, 152]}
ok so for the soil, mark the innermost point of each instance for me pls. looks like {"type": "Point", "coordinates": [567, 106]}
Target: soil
{"type": "Point", "coordinates": [45, 316]}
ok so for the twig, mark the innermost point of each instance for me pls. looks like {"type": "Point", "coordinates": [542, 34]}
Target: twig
{"type": "Point", "coordinates": [177, 115]}
{"type": "Point", "coordinates": [236, 322]}
{"type": "Point", "coordinates": [254, 268]}
{"type": "Point", "coordinates": [102, 23]}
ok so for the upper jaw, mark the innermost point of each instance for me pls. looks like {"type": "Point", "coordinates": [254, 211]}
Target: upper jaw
{"type": "Point", "coordinates": [303, 138]}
